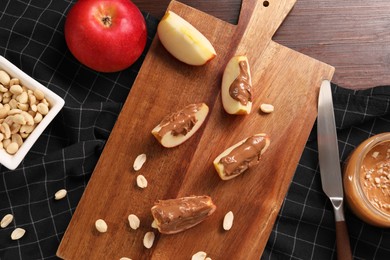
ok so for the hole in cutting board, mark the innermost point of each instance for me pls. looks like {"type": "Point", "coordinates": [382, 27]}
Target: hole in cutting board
{"type": "Point", "coordinates": [265, 3]}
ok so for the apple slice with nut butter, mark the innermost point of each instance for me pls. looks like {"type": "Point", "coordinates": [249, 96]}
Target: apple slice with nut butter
{"type": "Point", "coordinates": [241, 156]}
{"type": "Point", "coordinates": [175, 215]}
{"type": "Point", "coordinates": [184, 41]}
{"type": "Point", "coordinates": [236, 87]}
{"type": "Point", "coordinates": [179, 126]}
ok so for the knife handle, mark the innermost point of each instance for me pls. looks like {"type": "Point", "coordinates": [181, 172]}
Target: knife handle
{"type": "Point", "coordinates": [343, 246]}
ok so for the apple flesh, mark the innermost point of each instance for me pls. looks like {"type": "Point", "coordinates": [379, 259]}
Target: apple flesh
{"type": "Point", "coordinates": [219, 167]}
{"type": "Point", "coordinates": [105, 35]}
{"type": "Point", "coordinates": [169, 139]}
{"type": "Point", "coordinates": [184, 41]}
{"type": "Point", "coordinates": [230, 74]}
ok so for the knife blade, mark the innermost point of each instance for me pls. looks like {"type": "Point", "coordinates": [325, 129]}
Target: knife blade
{"type": "Point", "coordinates": [330, 170]}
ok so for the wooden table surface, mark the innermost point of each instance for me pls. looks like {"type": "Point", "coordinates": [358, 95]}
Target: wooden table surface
{"type": "Point", "coordinates": [351, 35]}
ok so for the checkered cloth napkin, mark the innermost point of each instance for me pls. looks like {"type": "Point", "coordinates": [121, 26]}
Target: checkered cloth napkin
{"type": "Point", "coordinates": [31, 36]}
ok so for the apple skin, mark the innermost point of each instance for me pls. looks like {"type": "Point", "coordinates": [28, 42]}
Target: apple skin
{"type": "Point", "coordinates": [231, 72]}
{"type": "Point", "coordinates": [184, 41]}
{"type": "Point", "coordinates": [105, 35]}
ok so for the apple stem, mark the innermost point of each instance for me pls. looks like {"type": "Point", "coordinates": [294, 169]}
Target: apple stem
{"type": "Point", "coordinates": [107, 21]}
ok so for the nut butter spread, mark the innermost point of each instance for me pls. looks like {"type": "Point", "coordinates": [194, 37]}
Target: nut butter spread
{"type": "Point", "coordinates": [181, 122]}
{"type": "Point", "coordinates": [175, 215]}
{"type": "Point", "coordinates": [375, 176]}
{"type": "Point", "coordinates": [243, 156]}
{"type": "Point", "coordinates": [240, 89]}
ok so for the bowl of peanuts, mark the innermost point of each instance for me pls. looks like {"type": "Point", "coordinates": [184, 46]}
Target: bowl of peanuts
{"type": "Point", "coordinates": [26, 109]}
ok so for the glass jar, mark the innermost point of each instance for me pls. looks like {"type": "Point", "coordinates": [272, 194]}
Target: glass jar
{"type": "Point", "coordinates": [367, 180]}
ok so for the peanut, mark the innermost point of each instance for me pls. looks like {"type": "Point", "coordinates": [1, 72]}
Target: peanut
{"type": "Point", "coordinates": [142, 182]}
{"type": "Point", "coordinates": [199, 256]}
{"type": "Point", "coordinates": [101, 226]}
{"type": "Point", "coordinates": [267, 108]}
{"type": "Point", "coordinates": [14, 111]}
{"type": "Point", "coordinates": [13, 103]}
{"type": "Point", "coordinates": [26, 129]}
{"type": "Point", "coordinates": [38, 118]}
{"type": "Point", "coordinates": [14, 81]}
{"type": "Point", "coordinates": [7, 130]}
{"type": "Point", "coordinates": [17, 233]}
{"type": "Point", "coordinates": [6, 142]}
{"type": "Point", "coordinates": [28, 118]}
{"type": "Point", "coordinates": [60, 194]}
{"type": "Point", "coordinates": [22, 98]}
{"type": "Point", "coordinates": [3, 89]}
{"type": "Point", "coordinates": [16, 89]}
{"type": "Point", "coordinates": [149, 239]}
{"type": "Point", "coordinates": [154, 224]}
{"type": "Point", "coordinates": [16, 138]}
{"type": "Point", "coordinates": [43, 108]}
{"type": "Point", "coordinates": [32, 99]}
{"type": "Point", "coordinates": [6, 220]}
{"type": "Point", "coordinates": [139, 162]}
{"type": "Point", "coordinates": [134, 221]}
{"type": "Point", "coordinates": [228, 221]}
{"type": "Point", "coordinates": [23, 107]}
{"type": "Point", "coordinates": [4, 77]}
{"type": "Point", "coordinates": [15, 128]}
{"type": "Point", "coordinates": [19, 119]}
{"type": "Point", "coordinates": [39, 94]}
{"type": "Point", "coordinates": [12, 148]}
{"type": "Point", "coordinates": [4, 111]}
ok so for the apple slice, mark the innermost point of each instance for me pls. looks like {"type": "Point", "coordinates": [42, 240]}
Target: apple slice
{"type": "Point", "coordinates": [241, 156]}
{"type": "Point", "coordinates": [176, 215]}
{"type": "Point", "coordinates": [184, 41]}
{"type": "Point", "coordinates": [236, 86]}
{"type": "Point", "coordinates": [177, 127]}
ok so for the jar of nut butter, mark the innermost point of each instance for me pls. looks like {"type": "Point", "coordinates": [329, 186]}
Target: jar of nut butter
{"type": "Point", "coordinates": [367, 180]}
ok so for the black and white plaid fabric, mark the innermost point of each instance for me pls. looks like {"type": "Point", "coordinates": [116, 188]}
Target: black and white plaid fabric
{"type": "Point", "coordinates": [31, 36]}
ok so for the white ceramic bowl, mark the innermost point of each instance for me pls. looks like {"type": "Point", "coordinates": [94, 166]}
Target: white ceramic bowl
{"type": "Point", "coordinates": [56, 104]}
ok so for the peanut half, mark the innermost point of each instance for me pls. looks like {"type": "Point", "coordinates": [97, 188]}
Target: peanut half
{"type": "Point", "coordinates": [60, 194]}
{"type": "Point", "coordinates": [142, 182]}
{"type": "Point", "coordinates": [139, 162]}
{"type": "Point", "coordinates": [228, 221]}
{"type": "Point", "coordinates": [199, 256]}
{"type": "Point", "coordinates": [267, 108]}
{"type": "Point", "coordinates": [101, 226]}
{"type": "Point", "coordinates": [18, 233]}
{"type": "Point", "coordinates": [4, 77]}
{"type": "Point", "coordinates": [134, 221]}
{"type": "Point", "coordinates": [6, 220]}
{"type": "Point", "coordinates": [149, 239]}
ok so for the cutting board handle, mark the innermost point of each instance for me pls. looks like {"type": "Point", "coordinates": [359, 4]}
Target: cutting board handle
{"type": "Point", "coordinates": [259, 19]}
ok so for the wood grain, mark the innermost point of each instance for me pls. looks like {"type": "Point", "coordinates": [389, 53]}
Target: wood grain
{"type": "Point", "coordinates": [351, 35]}
{"type": "Point", "coordinates": [343, 244]}
{"type": "Point", "coordinates": [283, 77]}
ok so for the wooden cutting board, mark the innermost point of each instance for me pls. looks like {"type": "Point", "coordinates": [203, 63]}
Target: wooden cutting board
{"type": "Point", "coordinates": [282, 77]}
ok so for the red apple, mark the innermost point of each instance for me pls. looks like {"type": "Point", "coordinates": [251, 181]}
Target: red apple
{"type": "Point", "coordinates": [105, 35]}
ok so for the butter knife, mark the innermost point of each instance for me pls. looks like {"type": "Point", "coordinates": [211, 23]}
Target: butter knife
{"type": "Point", "coordinates": [330, 169]}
